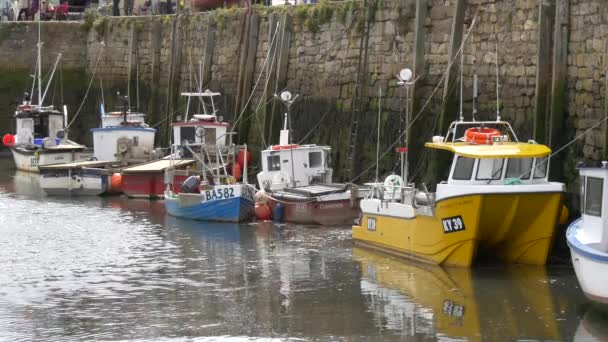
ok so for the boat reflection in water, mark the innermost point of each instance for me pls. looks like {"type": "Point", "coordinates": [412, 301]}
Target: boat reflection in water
{"type": "Point", "coordinates": [594, 325]}
{"type": "Point", "coordinates": [207, 231]}
{"type": "Point", "coordinates": [418, 299]}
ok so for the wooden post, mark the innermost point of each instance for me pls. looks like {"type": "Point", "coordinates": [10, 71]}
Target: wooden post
{"type": "Point", "coordinates": [209, 47]}
{"type": "Point", "coordinates": [279, 74]}
{"type": "Point", "coordinates": [419, 52]}
{"type": "Point", "coordinates": [559, 91]}
{"type": "Point", "coordinates": [543, 69]}
{"type": "Point", "coordinates": [246, 69]}
{"type": "Point", "coordinates": [155, 39]}
{"type": "Point", "coordinates": [450, 95]}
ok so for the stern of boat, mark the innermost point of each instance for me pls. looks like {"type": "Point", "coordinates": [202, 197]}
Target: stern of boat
{"type": "Point", "coordinates": [520, 227]}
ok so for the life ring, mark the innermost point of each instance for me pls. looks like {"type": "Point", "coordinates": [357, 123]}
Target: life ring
{"type": "Point", "coordinates": [393, 181]}
{"type": "Point", "coordinates": [481, 135]}
{"type": "Point", "coordinates": [284, 147]}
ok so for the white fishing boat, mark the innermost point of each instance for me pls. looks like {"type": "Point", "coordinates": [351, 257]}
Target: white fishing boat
{"type": "Point", "coordinates": [298, 179]}
{"type": "Point", "coordinates": [40, 137]}
{"type": "Point", "coordinates": [123, 139]}
{"type": "Point", "coordinates": [78, 178]}
{"type": "Point", "coordinates": [588, 236]}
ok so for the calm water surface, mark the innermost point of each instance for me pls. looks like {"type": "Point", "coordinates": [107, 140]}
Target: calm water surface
{"type": "Point", "coordinates": [119, 269]}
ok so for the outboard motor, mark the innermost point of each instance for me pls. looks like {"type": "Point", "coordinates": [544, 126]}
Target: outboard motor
{"type": "Point", "coordinates": [190, 185]}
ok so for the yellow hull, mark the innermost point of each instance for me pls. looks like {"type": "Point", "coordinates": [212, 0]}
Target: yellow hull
{"type": "Point", "coordinates": [461, 303]}
{"type": "Point", "coordinates": [518, 228]}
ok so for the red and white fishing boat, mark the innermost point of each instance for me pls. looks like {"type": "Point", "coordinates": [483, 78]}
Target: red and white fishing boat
{"type": "Point", "coordinates": [148, 180]}
{"type": "Point", "coordinates": [296, 184]}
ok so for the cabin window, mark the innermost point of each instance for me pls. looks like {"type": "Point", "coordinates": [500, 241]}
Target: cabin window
{"type": "Point", "coordinates": [519, 168]}
{"type": "Point", "coordinates": [41, 127]}
{"type": "Point", "coordinates": [582, 181]}
{"type": "Point", "coordinates": [463, 169]}
{"type": "Point", "coordinates": [274, 163]}
{"type": "Point", "coordinates": [489, 169]}
{"type": "Point", "coordinates": [540, 169]}
{"type": "Point", "coordinates": [593, 196]}
{"type": "Point", "coordinates": [210, 136]}
{"type": "Point", "coordinates": [315, 159]}
{"type": "Point", "coordinates": [187, 134]}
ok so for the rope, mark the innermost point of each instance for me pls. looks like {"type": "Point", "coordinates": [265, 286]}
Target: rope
{"type": "Point", "coordinates": [443, 77]}
{"type": "Point", "coordinates": [315, 126]}
{"type": "Point", "coordinates": [88, 88]}
{"type": "Point", "coordinates": [568, 144]}
{"type": "Point", "coordinates": [257, 81]}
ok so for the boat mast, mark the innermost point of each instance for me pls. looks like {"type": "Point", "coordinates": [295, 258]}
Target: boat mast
{"type": "Point", "coordinates": [404, 77]}
{"type": "Point", "coordinates": [39, 65]}
{"type": "Point", "coordinates": [497, 89]}
{"type": "Point", "coordinates": [378, 135]}
{"type": "Point", "coordinates": [285, 139]}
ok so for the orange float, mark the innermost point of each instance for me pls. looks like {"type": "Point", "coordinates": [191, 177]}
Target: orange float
{"type": "Point", "coordinates": [236, 171]}
{"type": "Point", "coordinates": [8, 139]}
{"type": "Point", "coordinates": [240, 158]}
{"type": "Point", "coordinates": [115, 183]}
{"type": "Point", "coordinates": [262, 211]}
{"type": "Point", "coordinates": [481, 135]}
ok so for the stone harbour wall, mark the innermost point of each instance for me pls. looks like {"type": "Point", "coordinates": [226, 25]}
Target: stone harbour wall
{"type": "Point", "coordinates": [342, 59]}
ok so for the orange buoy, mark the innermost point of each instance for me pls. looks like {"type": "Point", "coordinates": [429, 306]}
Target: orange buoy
{"type": "Point", "coordinates": [115, 183]}
{"type": "Point", "coordinates": [481, 135]}
{"type": "Point", "coordinates": [8, 139]}
{"type": "Point", "coordinates": [262, 211]}
{"type": "Point", "coordinates": [240, 158]}
{"type": "Point", "coordinates": [236, 171]}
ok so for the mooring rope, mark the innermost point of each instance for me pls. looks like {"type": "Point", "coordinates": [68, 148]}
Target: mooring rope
{"type": "Point", "coordinates": [89, 87]}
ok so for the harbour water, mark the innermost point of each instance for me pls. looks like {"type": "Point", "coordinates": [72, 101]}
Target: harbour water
{"type": "Point", "coordinates": [118, 269]}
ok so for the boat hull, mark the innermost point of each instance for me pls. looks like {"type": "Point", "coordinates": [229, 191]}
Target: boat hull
{"type": "Point", "coordinates": [590, 265]}
{"type": "Point", "coordinates": [149, 185]}
{"type": "Point", "coordinates": [79, 182]}
{"type": "Point", "coordinates": [224, 203]}
{"type": "Point", "coordinates": [320, 212]}
{"type": "Point", "coordinates": [518, 228]}
{"type": "Point", "coordinates": [29, 160]}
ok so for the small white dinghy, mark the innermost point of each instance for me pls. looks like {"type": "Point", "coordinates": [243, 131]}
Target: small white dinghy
{"type": "Point", "coordinates": [588, 236]}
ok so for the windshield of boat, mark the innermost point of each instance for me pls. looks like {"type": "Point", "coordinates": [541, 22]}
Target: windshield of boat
{"type": "Point", "coordinates": [519, 168]}
{"type": "Point", "coordinates": [463, 168]}
{"type": "Point", "coordinates": [593, 196]}
{"type": "Point", "coordinates": [489, 169]}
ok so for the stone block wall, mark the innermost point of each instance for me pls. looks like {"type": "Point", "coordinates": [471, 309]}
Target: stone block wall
{"type": "Point", "coordinates": [334, 46]}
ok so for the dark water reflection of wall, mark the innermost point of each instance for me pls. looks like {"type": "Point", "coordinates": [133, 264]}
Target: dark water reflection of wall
{"type": "Point", "coordinates": [114, 268]}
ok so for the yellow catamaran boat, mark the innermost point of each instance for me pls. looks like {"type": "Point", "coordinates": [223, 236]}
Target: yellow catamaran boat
{"type": "Point", "coordinates": [497, 197]}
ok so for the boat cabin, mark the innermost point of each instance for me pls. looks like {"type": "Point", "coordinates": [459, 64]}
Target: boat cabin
{"type": "Point", "coordinates": [35, 123]}
{"type": "Point", "coordinates": [123, 136]}
{"type": "Point", "coordinates": [204, 128]}
{"type": "Point", "coordinates": [311, 164]}
{"type": "Point", "coordinates": [117, 119]}
{"type": "Point", "coordinates": [485, 155]}
{"type": "Point", "coordinates": [594, 209]}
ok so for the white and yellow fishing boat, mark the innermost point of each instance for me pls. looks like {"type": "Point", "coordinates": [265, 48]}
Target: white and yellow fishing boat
{"type": "Point", "coordinates": [497, 198]}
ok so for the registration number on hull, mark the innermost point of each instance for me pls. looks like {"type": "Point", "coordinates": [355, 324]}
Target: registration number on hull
{"type": "Point", "coordinates": [453, 224]}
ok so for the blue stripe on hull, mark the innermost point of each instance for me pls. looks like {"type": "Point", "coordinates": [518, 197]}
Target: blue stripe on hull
{"type": "Point", "coordinates": [582, 249]}
{"type": "Point", "coordinates": [235, 209]}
